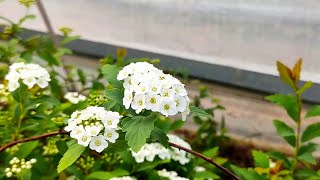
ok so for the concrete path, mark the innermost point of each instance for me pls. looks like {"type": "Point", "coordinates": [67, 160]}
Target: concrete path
{"type": "Point", "coordinates": [247, 34]}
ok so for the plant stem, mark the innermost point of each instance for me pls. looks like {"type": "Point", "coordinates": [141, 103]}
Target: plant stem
{"type": "Point", "coordinates": [209, 160]}
{"type": "Point", "coordinates": [19, 120]}
{"type": "Point", "coordinates": [297, 144]}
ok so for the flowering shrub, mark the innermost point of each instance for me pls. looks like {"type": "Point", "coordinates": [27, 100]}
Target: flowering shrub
{"type": "Point", "coordinates": [147, 87]}
{"type": "Point", "coordinates": [74, 97]}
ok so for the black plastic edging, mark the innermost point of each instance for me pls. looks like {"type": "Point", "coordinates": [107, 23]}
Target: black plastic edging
{"type": "Point", "coordinates": [212, 72]}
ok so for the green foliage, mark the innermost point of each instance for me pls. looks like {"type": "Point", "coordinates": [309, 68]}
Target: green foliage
{"type": "Point", "coordinates": [247, 174]}
{"type": "Point", "coordinates": [288, 102]}
{"type": "Point", "coordinates": [286, 132]}
{"type": "Point", "coordinates": [311, 132]}
{"type": "Point", "coordinates": [107, 175]}
{"type": "Point", "coordinates": [138, 129]}
{"type": "Point", "coordinates": [110, 72]}
{"type": "Point", "coordinates": [199, 112]}
{"type": "Point", "coordinates": [159, 136]}
{"type": "Point", "coordinates": [305, 153]}
{"type": "Point", "coordinates": [313, 111]}
{"type": "Point", "coordinates": [72, 154]}
{"type": "Point", "coordinates": [260, 159]}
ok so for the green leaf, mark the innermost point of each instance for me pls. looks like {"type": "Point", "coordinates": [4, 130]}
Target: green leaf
{"type": "Point", "coordinates": [286, 132]}
{"type": "Point", "coordinates": [177, 124]}
{"type": "Point", "coordinates": [285, 74]}
{"type": "Point", "coordinates": [20, 94]}
{"type": "Point", "coordinates": [115, 94]}
{"type": "Point", "coordinates": [260, 159]}
{"type": "Point", "coordinates": [305, 87]}
{"type": "Point", "coordinates": [305, 153]}
{"type": "Point", "coordinates": [49, 57]}
{"type": "Point", "coordinates": [26, 148]}
{"type": "Point", "coordinates": [69, 39]}
{"type": "Point", "coordinates": [110, 72]}
{"type": "Point", "coordinates": [70, 156]}
{"type": "Point", "coordinates": [296, 71]}
{"type": "Point", "coordinates": [213, 152]}
{"type": "Point", "coordinates": [288, 102]}
{"type": "Point", "coordinates": [149, 165]}
{"type": "Point", "coordinates": [206, 175]}
{"type": "Point", "coordinates": [138, 129]}
{"type": "Point", "coordinates": [247, 174]}
{"type": "Point", "coordinates": [306, 173]}
{"type": "Point", "coordinates": [311, 132]}
{"type": "Point", "coordinates": [82, 76]}
{"type": "Point", "coordinates": [107, 175]}
{"type": "Point", "coordinates": [313, 111]}
{"type": "Point", "coordinates": [199, 112]}
{"type": "Point", "coordinates": [160, 136]}
{"type": "Point", "coordinates": [62, 147]}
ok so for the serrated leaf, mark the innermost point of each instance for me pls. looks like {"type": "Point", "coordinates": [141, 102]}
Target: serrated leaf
{"type": "Point", "coordinates": [247, 174]}
{"type": "Point", "coordinates": [313, 111]}
{"type": "Point", "coordinates": [305, 87]}
{"type": "Point", "coordinates": [160, 136]}
{"type": "Point", "coordinates": [305, 153]}
{"type": "Point", "coordinates": [285, 74]}
{"type": "Point", "coordinates": [199, 112]}
{"type": "Point", "coordinates": [102, 175]}
{"type": "Point", "coordinates": [286, 132]}
{"type": "Point", "coordinates": [72, 154]}
{"type": "Point", "coordinates": [115, 94]}
{"type": "Point", "coordinates": [138, 129]}
{"type": "Point", "coordinates": [110, 72]}
{"type": "Point", "coordinates": [20, 94]}
{"type": "Point", "coordinates": [288, 102]}
{"type": "Point", "coordinates": [260, 159]}
{"type": "Point", "coordinates": [26, 148]}
{"type": "Point", "coordinates": [311, 132]}
{"type": "Point", "coordinates": [296, 71]}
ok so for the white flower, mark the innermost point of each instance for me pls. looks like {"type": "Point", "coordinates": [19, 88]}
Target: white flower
{"type": "Point", "coordinates": [31, 75]}
{"type": "Point", "coordinates": [181, 103]}
{"type": "Point", "coordinates": [168, 107]}
{"type": "Point", "coordinates": [167, 93]}
{"type": "Point", "coordinates": [138, 103]}
{"type": "Point", "coordinates": [185, 114]}
{"type": "Point", "coordinates": [111, 135]}
{"type": "Point", "coordinates": [77, 131]}
{"type": "Point", "coordinates": [123, 178]}
{"type": "Point", "coordinates": [93, 130]}
{"type": "Point", "coordinates": [142, 88]}
{"type": "Point", "coordinates": [89, 126]}
{"type": "Point", "coordinates": [30, 82]}
{"type": "Point", "coordinates": [176, 154]}
{"type": "Point", "coordinates": [84, 139]}
{"type": "Point", "coordinates": [74, 97]}
{"type": "Point", "coordinates": [13, 86]}
{"type": "Point", "coordinates": [144, 84]}
{"type": "Point", "coordinates": [171, 175]}
{"type": "Point", "coordinates": [199, 169]}
{"type": "Point", "coordinates": [153, 102]}
{"type": "Point", "coordinates": [98, 143]}
{"type": "Point", "coordinates": [127, 99]}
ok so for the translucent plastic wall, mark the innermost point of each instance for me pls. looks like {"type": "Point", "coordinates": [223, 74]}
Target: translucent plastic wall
{"type": "Point", "coordinates": [247, 34]}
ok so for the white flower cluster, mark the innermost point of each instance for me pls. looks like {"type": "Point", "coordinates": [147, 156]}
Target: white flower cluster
{"type": "Point", "coordinates": [149, 151]}
{"type": "Point", "coordinates": [123, 178]}
{"type": "Point", "coordinates": [147, 87]}
{"type": "Point", "coordinates": [74, 97]}
{"type": "Point", "coordinates": [95, 126]}
{"type": "Point", "coordinates": [171, 175]}
{"type": "Point", "coordinates": [30, 74]}
{"type": "Point", "coordinates": [18, 165]}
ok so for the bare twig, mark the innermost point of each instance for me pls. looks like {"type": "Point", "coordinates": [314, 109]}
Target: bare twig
{"type": "Point", "coordinates": [209, 160]}
{"type": "Point", "coordinates": [2, 148]}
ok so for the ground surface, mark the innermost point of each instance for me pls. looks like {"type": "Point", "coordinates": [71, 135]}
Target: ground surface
{"type": "Point", "coordinates": [247, 34]}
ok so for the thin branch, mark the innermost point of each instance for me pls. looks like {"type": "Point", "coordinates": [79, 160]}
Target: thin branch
{"type": "Point", "coordinates": [209, 160]}
{"type": "Point", "coordinates": [46, 20]}
{"type": "Point", "coordinates": [2, 148]}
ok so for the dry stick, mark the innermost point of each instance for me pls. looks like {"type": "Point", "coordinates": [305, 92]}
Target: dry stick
{"type": "Point", "coordinates": [2, 148]}
{"type": "Point", "coordinates": [47, 22]}
{"type": "Point", "coordinates": [209, 160]}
